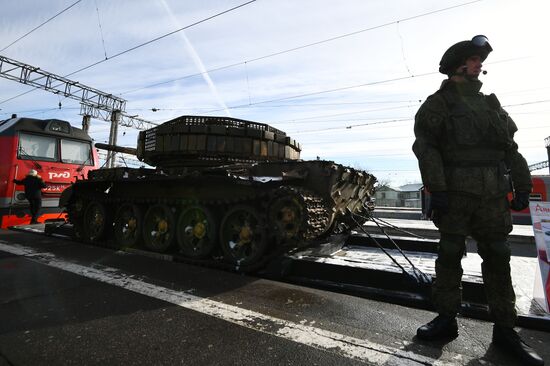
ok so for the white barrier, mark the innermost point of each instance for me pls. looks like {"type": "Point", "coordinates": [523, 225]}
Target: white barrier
{"type": "Point", "coordinates": [540, 215]}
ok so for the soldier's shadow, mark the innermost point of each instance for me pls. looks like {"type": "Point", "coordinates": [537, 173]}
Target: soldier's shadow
{"type": "Point", "coordinates": [434, 350]}
{"type": "Point", "coordinates": [493, 356]}
{"type": "Point", "coordinates": [431, 349]}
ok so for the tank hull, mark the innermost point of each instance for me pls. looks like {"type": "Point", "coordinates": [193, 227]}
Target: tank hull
{"type": "Point", "coordinates": [240, 215]}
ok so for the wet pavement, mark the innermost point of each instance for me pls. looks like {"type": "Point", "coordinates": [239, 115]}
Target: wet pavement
{"type": "Point", "coordinates": [66, 303]}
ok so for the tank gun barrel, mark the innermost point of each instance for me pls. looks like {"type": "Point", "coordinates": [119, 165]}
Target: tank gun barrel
{"type": "Point", "coordinates": [119, 149]}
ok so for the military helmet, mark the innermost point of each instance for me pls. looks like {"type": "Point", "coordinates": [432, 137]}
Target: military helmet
{"type": "Point", "coordinates": [457, 54]}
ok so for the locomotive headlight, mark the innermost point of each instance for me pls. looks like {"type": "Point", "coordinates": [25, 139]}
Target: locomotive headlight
{"type": "Point", "coordinates": [59, 126]}
{"type": "Point", "coordinates": [21, 196]}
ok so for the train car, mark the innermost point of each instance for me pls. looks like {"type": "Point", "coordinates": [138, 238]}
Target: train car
{"type": "Point", "coordinates": [59, 152]}
{"type": "Point", "coordinates": [540, 192]}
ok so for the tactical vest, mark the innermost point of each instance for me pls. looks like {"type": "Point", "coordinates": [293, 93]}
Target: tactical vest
{"type": "Point", "coordinates": [476, 130]}
{"type": "Point", "coordinates": [477, 138]}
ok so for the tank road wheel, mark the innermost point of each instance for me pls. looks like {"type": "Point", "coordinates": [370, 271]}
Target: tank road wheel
{"type": "Point", "coordinates": [76, 217]}
{"type": "Point", "coordinates": [128, 225]}
{"type": "Point", "coordinates": [96, 221]}
{"type": "Point", "coordinates": [286, 217]}
{"type": "Point", "coordinates": [243, 236]}
{"type": "Point", "coordinates": [158, 228]}
{"type": "Point", "coordinates": [196, 232]}
{"type": "Point", "coordinates": [78, 229]}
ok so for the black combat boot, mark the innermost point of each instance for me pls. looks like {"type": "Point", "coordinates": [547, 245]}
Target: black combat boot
{"type": "Point", "coordinates": [442, 327]}
{"type": "Point", "coordinates": [509, 341]}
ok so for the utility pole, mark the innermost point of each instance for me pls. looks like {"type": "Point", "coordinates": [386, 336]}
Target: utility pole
{"type": "Point", "coordinates": [111, 155]}
{"type": "Point", "coordinates": [86, 122]}
{"type": "Point", "coordinates": [547, 143]}
{"type": "Point", "coordinates": [93, 102]}
{"type": "Point", "coordinates": [542, 164]}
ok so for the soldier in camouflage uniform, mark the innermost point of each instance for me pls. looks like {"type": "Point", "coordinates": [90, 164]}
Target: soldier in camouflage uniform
{"type": "Point", "coordinates": [468, 160]}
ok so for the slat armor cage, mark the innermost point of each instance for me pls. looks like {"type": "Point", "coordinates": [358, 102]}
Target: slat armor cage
{"type": "Point", "coordinates": [204, 140]}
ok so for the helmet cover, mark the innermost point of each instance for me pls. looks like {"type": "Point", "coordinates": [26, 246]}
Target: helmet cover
{"type": "Point", "coordinates": [458, 53]}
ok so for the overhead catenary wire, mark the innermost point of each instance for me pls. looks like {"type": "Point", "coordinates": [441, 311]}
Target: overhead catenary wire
{"type": "Point", "coordinates": [100, 29]}
{"type": "Point", "coordinates": [409, 119]}
{"type": "Point", "coordinates": [349, 127]}
{"type": "Point", "coordinates": [355, 125]}
{"type": "Point", "coordinates": [247, 105]}
{"type": "Point", "coordinates": [141, 45]}
{"type": "Point", "coordinates": [394, 170]}
{"type": "Point", "coordinates": [328, 91]}
{"type": "Point", "coordinates": [303, 46]}
{"type": "Point", "coordinates": [259, 104]}
{"type": "Point", "coordinates": [340, 127]}
{"type": "Point", "coordinates": [527, 103]}
{"type": "Point", "coordinates": [333, 90]}
{"type": "Point", "coordinates": [316, 118]}
{"type": "Point", "coordinates": [40, 25]}
{"type": "Point", "coordinates": [403, 50]}
{"type": "Point", "coordinates": [154, 109]}
{"type": "Point", "coordinates": [163, 36]}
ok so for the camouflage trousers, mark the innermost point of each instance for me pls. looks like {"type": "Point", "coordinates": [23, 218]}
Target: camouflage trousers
{"type": "Point", "coordinates": [489, 222]}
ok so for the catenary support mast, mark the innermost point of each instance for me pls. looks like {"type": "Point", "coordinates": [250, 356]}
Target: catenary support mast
{"type": "Point", "coordinates": [93, 102]}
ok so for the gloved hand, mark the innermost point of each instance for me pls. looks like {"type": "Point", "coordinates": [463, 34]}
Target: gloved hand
{"type": "Point", "coordinates": [440, 202]}
{"type": "Point", "coordinates": [520, 201]}
{"type": "Point", "coordinates": [439, 206]}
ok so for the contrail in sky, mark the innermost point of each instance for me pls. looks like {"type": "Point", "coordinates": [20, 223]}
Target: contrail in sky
{"type": "Point", "coordinates": [197, 60]}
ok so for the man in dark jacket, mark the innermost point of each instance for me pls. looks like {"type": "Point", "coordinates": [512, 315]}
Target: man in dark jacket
{"type": "Point", "coordinates": [33, 184]}
{"type": "Point", "coordinates": [469, 161]}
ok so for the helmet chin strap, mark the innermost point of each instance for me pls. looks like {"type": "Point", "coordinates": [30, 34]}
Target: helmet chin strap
{"type": "Point", "coordinates": [462, 72]}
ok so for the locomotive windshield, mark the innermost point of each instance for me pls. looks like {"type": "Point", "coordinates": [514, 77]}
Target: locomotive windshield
{"type": "Point", "coordinates": [47, 148]}
{"type": "Point", "coordinates": [37, 147]}
{"type": "Point", "coordinates": [76, 152]}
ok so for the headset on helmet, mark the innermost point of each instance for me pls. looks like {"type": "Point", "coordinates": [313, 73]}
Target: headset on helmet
{"type": "Point", "coordinates": [457, 54]}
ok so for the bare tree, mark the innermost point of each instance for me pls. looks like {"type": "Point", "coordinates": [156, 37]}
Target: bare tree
{"type": "Point", "coordinates": [383, 184]}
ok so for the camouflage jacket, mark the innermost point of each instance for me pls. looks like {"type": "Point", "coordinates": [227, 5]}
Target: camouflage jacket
{"type": "Point", "coordinates": [465, 143]}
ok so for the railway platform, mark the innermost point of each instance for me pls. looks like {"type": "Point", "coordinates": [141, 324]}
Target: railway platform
{"type": "Point", "coordinates": [63, 303]}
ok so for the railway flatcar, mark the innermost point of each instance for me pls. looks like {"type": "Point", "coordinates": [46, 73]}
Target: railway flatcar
{"type": "Point", "coordinates": [59, 152]}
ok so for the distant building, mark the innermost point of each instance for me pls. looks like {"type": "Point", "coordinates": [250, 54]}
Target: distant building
{"type": "Point", "coordinates": [387, 196]}
{"type": "Point", "coordinates": [407, 195]}
{"type": "Point", "coordinates": [410, 195]}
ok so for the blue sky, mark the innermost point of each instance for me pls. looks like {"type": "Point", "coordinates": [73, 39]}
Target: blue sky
{"type": "Point", "coordinates": [343, 78]}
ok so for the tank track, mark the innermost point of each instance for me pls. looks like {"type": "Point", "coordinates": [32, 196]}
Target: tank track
{"type": "Point", "coordinates": [313, 222]}
{"type": "Point", "coordinates": [313, 219]}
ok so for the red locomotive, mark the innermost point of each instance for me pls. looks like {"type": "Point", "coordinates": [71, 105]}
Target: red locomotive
{"type": "Point", "coordinates": [59, 152]}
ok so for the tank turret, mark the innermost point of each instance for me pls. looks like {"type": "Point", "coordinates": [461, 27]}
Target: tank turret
{"type": "Point", "coordinates": [209, 141]}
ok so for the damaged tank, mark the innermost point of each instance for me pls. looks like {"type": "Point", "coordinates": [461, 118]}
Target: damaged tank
{"type": "Point", "coordinates": [223, 190]}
